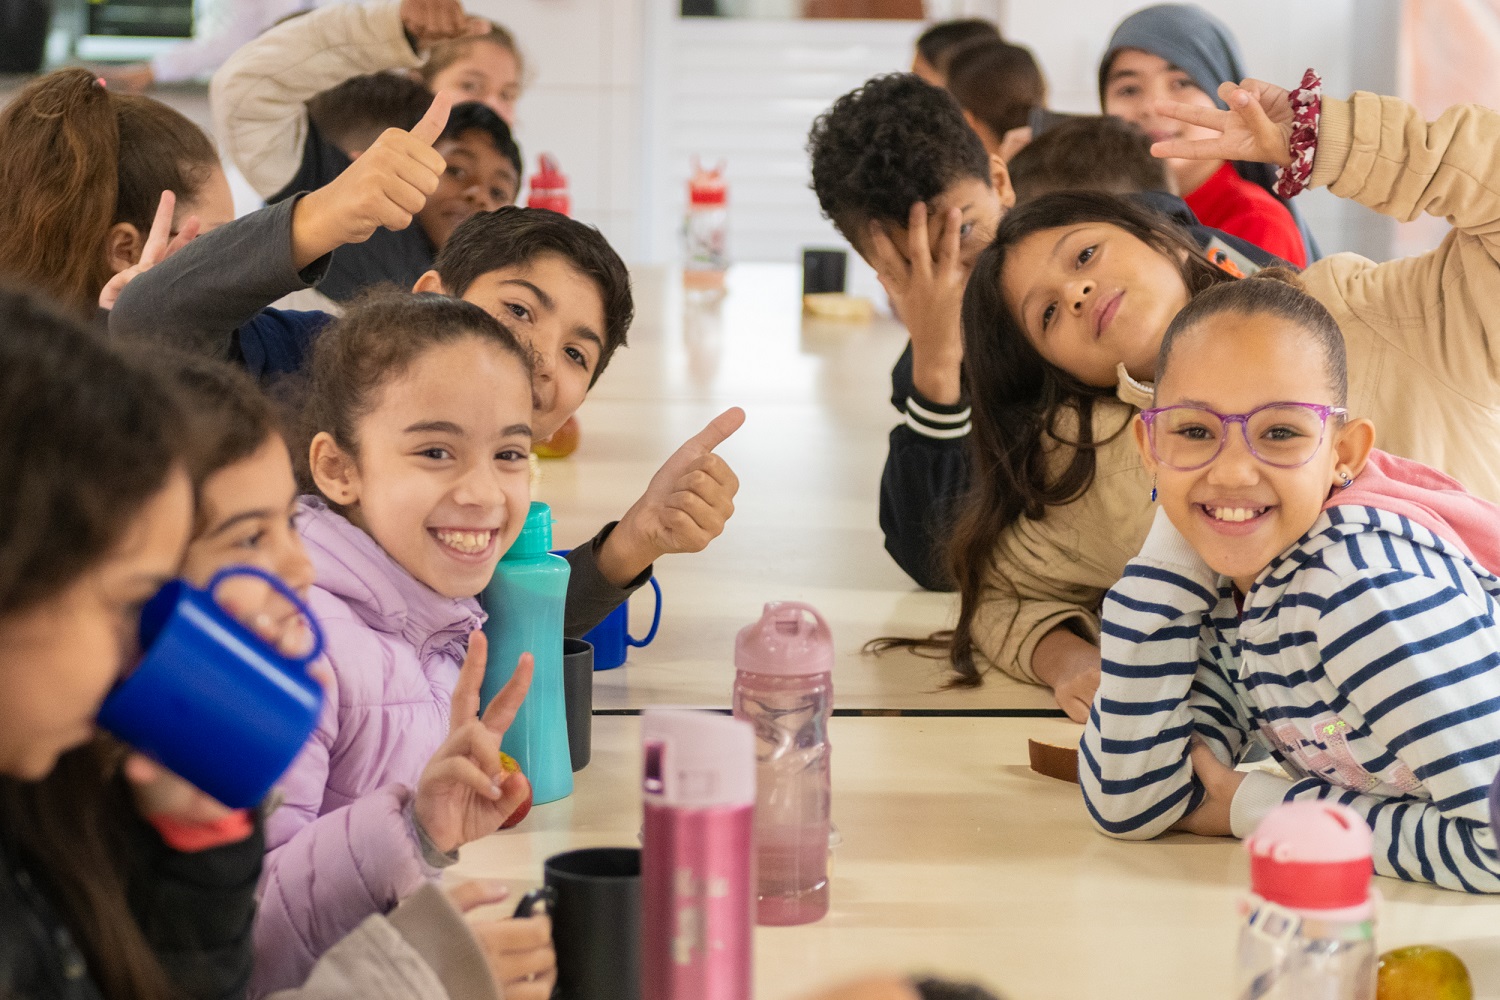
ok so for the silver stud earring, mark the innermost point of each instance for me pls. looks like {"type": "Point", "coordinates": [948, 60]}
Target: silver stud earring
{"type": "Point", "coordinates": [1348, 480]}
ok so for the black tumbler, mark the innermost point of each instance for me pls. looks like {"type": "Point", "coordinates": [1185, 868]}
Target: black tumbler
{"type": "Point", "coordinates": [596, 922]}
{"type": "Point", "coordinates": [24, 25]}
{"type": "Point", "coordinates": [578, 696]}
{"type": "Point", "coordinates": [823, 270]}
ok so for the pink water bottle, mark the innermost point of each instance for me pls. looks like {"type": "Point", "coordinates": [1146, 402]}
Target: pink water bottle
{"type": "Point", "coordinates": [549, 187]}
{"type": "Point", "coordinates": [783, 687]}
{"type": "Point", "coordinates": [697, 857]}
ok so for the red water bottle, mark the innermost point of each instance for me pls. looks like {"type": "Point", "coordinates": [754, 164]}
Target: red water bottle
{"type": "Point", "coordinates": [549, 187]}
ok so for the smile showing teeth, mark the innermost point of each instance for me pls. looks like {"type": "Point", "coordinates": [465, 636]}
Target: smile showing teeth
{"type": "Point", "coordinates": [1234, 513]}
{"type": "Point", "coordinates": [467, 542]}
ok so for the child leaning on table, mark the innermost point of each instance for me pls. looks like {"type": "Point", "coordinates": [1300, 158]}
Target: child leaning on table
{"type": "Point", "coordinates": [1302, 591]}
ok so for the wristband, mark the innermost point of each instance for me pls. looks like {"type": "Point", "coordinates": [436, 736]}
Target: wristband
{"type": "Point", "coordinates": [189, 838]}
{"type": "Point", "coordinates": [1307, 108]}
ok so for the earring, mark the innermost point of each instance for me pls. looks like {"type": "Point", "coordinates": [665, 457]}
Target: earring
{"type": "Point", "coordinates": [1153, 489]}
{"type": "Point", "coordinates": [1348, 480]}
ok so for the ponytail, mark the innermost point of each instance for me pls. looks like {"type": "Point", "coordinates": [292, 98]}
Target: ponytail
{"type": "Point", "coordinates": [78, 160]}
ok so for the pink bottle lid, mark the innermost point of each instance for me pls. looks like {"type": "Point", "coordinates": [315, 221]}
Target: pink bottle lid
{"type": "Point", "coordinates": [791, 639]}
{"type": "Point", "coordinates": [1313, 856]}
{"type": "Point", "coordinates": [707, 187]}
{"type": "Point", "coordinates": [697, 760]}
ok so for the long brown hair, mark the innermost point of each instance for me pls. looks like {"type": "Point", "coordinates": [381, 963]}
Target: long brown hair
{"type": "Point", "coordinates": [1023, 406]}
{"type": "Point", "coordinates": [87, 438]}
{"type": "Point", "coordinates": [79, 159]}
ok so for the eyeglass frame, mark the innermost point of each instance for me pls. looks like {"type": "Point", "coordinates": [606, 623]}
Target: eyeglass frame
{"type": "Point", "coordinates": [1148, 417]}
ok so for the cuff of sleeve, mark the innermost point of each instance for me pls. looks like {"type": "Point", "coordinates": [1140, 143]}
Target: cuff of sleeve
{"type": "Point", "coordinates": [190, 838]}
{"type": "Point", "coordinates": [1076, 619]}
{"type": "Point", "coordinates": [313, 273]}
{"type": "Point", "coordinates": [1335, 140]}
{"type": "Point", "coordinates": [636, 584]}
{"type": "Point", "coordinates": [431, 853]}
{"type": "Point", "coordinates": [1258, 794]}
{"type": "Point", "coordinates": [937, 420]}
{"type": "Point", "coordinates": [437, 932]}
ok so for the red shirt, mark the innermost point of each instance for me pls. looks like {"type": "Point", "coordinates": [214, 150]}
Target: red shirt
{"type": "Point", "coordinates": [1229, 202]}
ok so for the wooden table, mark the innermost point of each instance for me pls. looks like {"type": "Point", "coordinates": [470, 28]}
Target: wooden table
{"type": "Point", "coordinates": [957, 858]}
{"type": "Point", "coordinates": [817, 398]}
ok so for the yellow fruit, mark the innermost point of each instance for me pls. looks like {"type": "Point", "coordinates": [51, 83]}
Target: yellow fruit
{"type": "Point", "coordinates": [1422, 972]}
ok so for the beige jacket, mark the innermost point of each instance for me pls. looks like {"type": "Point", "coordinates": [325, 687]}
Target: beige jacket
{"type": "Point", "coordinates": [1423, 337]}
{"type": "Point", "coordinates": [422, 951]}
{"type": "Point", "coordinates": [259, 97]}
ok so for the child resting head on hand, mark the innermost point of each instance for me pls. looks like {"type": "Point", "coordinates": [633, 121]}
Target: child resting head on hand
{"type": "Point", "coordinates": [1303, 591]}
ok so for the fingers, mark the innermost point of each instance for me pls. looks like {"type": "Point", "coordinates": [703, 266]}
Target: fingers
{"type": "Point", "coordinates": [466, 896]}
{"type": "Point", "coordinates": [1194, 114]}
{"type": "Point", "coordinates": [161, 230]}
{"type": "Point", "coordinates": [430, 128]}
{"type": "Point", "coordinates": [947, 255]}
{"type": "Point", "coordinates": [142, 770]}
{"type": "Point", "coordinates": [887, 260]}
{"type": "Point", "coordinates": [520, 954]}
{"type": "Point", "coordinates": [1189, 149]}
{"type": "Point", "coordinates": [185, 235]}
{"type": "Point", "coordinates": [464, 707]}
{"type": "Point", "coordinates": [461, 772]}
{"type": "Point", "coordinates": [501, 711]}
{"type": "Point", "coordinates": [717, 432]}
{"type": "Point", "coordinates": [917, 249]}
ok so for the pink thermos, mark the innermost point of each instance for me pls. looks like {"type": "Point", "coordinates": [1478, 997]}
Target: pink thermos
{"type": "Point", "coordinates": [697, 856]}
{"type": "Point", "coordinates": [783, 687]}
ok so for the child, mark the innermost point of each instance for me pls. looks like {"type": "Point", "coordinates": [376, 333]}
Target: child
{"type": "Point", "coordinates": [557, 280]}
{"type": "Point", "coordinates": [938, 42]}
{"type": "Point", "coordinates": [1178, 52]}
{"type": "Point", "coordinates": [997, 84]}
{"type": "Point", "coordinates": [246, 504]}
{"type": "Point", "coordinates": [82, 176]}
{"type": "Point", "coordinates": [1335, 605]}
{"type": "Point", "coordinates": [1088, 153]}
{"type": "Point", "coordinates": [1034, 565]}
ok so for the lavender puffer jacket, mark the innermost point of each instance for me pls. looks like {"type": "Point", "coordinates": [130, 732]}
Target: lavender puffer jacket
{"type": "Point", "coordinates": [342, 845]}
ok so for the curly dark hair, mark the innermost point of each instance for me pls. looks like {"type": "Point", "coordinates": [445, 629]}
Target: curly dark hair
{"type": "Point", "coordinates": [891, 143]}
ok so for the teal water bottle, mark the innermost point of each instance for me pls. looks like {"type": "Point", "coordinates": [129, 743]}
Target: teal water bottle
{"type": "Point", "coordinates": [525, 601]}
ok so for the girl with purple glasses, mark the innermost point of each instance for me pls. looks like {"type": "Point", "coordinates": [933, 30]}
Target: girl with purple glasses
{"type": "Point", "coordinates": [1303, 592]}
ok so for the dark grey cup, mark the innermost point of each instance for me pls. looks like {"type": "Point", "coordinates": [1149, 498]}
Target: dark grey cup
{"type": "Point", "coordinates": [578, 695]}
{"type": "Point", "coordinates": [596, 922]}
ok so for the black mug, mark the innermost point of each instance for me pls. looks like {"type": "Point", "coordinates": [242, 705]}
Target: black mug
{"type": "Point", "coordinates": [578, 697]}
{"type": "Point", "coordinates": [596, 922]}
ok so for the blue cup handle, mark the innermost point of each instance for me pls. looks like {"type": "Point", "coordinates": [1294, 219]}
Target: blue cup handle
{"type": "Point", "coordinates": [302, 609]}
{"type": "Point", "coordinates": [655, 620]}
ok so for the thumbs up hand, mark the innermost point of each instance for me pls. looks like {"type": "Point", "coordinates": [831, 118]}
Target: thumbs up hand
{"type": "Point", "coordinates": [385, 187]}
{"type": "Point", "coordinates": [685, 506]}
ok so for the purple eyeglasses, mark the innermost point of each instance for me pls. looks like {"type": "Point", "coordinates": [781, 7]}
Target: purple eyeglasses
{"type": "Point", "coordinates": [1284, 435]}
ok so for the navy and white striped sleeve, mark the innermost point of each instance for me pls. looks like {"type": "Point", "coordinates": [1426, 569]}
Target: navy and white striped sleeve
{"type": "Point", "coordinates": [1155, 692]}
{"type": "Point", "coordinates": [1418, 656]}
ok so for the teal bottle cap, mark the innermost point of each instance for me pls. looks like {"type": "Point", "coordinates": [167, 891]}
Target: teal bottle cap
{"type": "Point", "coordinates": [536, 535]}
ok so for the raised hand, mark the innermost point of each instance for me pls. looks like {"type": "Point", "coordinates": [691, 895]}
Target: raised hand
{"type": "Point", "coordinates": [439, 20]}
{"type": "Point", "coordinates": [1257, 127]}
{"type": "Point", "coordinates": [463, 793]}
{"type": "Point", "coordinates": [160, 244]}
{"type": "Point", "coordinates": [927, 292]}
{"type": "Point", "coordinates": [685, 506]}
{"type": "Point", "coordinates": [385, 187]}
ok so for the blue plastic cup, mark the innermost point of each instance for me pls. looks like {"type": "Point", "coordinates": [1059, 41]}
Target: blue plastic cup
{"type": "Point", "coordinates": [212, 701]}
{"type": "Point", "coordinates": [611, 638]}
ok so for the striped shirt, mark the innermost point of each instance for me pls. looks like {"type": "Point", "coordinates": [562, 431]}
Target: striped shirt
{"type": "Point", "coordinates": [1366, 659]}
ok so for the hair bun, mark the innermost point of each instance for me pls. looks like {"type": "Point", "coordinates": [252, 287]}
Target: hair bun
{"type": "Point", "coordinates": [1285, 275]}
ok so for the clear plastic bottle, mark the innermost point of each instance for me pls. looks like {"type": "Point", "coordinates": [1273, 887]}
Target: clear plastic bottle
{"type": "Point", "coordinates": [1309, 931]}
{"type": "Point", "coordinates": [706, 231]}
{"type": "Point", "coordinates": [784, 688]}
{"type": "Point", "coordinates": [549, 187]}
{"type": "Point", "coordinates": [525, 602]}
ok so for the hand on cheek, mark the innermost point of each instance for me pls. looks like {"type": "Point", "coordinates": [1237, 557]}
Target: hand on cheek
{"type": "Point", "coordinates": [685, 506]}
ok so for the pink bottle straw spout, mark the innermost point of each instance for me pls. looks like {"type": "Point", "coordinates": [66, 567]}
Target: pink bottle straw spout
{"type": "Point", "coordinates": [790, 639]}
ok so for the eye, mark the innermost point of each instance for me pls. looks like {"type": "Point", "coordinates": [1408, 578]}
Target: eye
{"type": "Point", "coordinates": [1047, 314]}
{"type": "Point", "coordinates": [512, 455]}
{"type": "Point", "coordinates": [1183, 83]}
{"type": "Point", "coordinates": [965, 229]}
{"type": "Point", "coordinates": [519, 311]}
{"type": "Point", "coordinates": [501, 195]}
{"type": "Point", "coordinates": [457, 173]}
{"type": "Point", "coordinates": [435, 454]}
{"type": "Point", "coordinates": [252, 541]}
{"type": "Point", "coordinates": [472, 87]}
{"type": "Point", "coordinates": [1282, 433]}
{"type": "Point", "coordinates": [577, 357]}
{"type": "Point", "coordinates": [1085, 255]}
{"type": "Point", "coordinates": [1128, 90]}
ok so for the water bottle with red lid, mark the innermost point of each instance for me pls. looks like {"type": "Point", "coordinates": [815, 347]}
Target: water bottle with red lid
{"type": "Point", "coordinates": [549, 187]}
{"type": "Point", "coordinates": [706, 230]}
{"type": "Point", "coordinates": [1310, 919]}
{"type": "Point", "coordinates": [783, 687]}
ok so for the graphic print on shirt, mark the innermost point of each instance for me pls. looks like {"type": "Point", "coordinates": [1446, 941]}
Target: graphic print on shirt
{"type": "Point", "coordinates": [1323, 752]}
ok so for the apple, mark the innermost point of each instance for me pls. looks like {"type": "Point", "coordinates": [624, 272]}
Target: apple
{"type": "Point", "coordinates": [562, 443]}
{"type": "Point", "coordinates": [509, 765]}
{"type": "Point", "coordinates": [1422, 971]}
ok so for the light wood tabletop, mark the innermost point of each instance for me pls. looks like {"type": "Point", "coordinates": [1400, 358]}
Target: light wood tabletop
{"type": "Point", "coordinates": [817, 400]}
{"type": "Point", "coordinates": [957, 858]}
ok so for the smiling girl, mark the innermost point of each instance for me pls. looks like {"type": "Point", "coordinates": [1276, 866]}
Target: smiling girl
{"type": "Point", "coordinates": [1333, 604]}
{"type": "Point", "coordinates": [1064, 315]}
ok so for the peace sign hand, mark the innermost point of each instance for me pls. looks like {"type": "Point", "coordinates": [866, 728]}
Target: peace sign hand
{"type": "Point", "coordinates": [1257, 127]}
{"type": "Point", "coordinates": [160, 244]}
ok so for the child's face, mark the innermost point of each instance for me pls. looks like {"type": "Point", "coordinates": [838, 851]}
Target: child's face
{"type": "Point", "coordinates": [442, 480]}
{"type": "Point", "coordinates": [1091, 296]}
{"type": "Point", "coordinates": [1137, 80]}
{"type": "Point", "coordinates": [557, 311]}
{"type": "Point", "coordinates": [60, 658]}
{"type": "Point", "coordinates": [245, 512]}
{"type": "Point", "coordinates": [981, 206]}
{"type": "Point", "coordinates": [487, 73]}
{"type": "Point", "coordinates": [478, 178]}
{"type": "Point", "coordinates": [1238, 512]}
